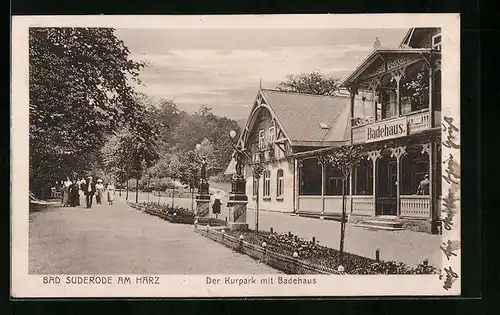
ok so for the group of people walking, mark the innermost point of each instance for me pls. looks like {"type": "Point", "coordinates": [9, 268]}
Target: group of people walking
{"type": "Point", "coordinates": [70, 192]}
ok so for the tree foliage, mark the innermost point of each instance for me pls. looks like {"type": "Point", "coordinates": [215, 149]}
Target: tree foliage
{"type": "Point", "coordinates": [79, 92]}
{"type": "Point", "coordinates": [343, 159]}
{"type": "Point", "coordinates": [310, 83]}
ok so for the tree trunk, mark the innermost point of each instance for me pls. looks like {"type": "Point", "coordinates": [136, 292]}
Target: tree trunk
{"type": "Point", "coordinates": [173, 190]}
{"type": "Point", "coordinates": [257, 210]}
{"type": "Point", "coordinates": [126, 196]}
{"type": "Point", "coordinates": [192, 198]}
{"type": "Point", "coordinates": [136, 190]}
{"type": "Point", "coordinates": [42, 191]}
{"type": "Point", "coordinates": [342, 223]}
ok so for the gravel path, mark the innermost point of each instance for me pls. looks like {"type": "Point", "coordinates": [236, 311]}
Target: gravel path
{"type": "Point", "coordinates": [121, 240]}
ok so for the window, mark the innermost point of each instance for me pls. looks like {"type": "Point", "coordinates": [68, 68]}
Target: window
{"type": "Point", "coordinates": [413, 169]}
{"type": "Point", "coordinates": [310, 177]}
{"type": "Point", "coordinates": [436, 41]}
{"type": "Point", "coordinates": [255, 186]}
{"type": "Point", "coordinates": [279, 183]}
{"type": "Point", "coordinates": [271, 135]}
{"type": "Point", "coordinates": [261, 139]}
{"type": "Point", "coordinates": [363, 178]}
{"type": "Point", "coordinates": [267, 184]}
{"type": "Point", "coordinates": [333, 185]}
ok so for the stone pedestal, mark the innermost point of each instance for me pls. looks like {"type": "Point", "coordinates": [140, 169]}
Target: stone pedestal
{"type": "Point", "coordinates": [237, 205]}
{"type": "Point", "coordinates": [202, 206]}
{"type": "Point", "coordinates": [237, 216]}
{"type": "Point", "coordinates": [203, 200]}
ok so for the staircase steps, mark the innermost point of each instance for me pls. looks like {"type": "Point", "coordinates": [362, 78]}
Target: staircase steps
{"type": "Point", "coordinates": [380, 223]}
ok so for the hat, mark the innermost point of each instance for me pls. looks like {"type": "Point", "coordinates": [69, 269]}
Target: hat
{"type": "Point", "coordinates": [426, 176]}
{"type": "Point", "coordinates": [99, 180]}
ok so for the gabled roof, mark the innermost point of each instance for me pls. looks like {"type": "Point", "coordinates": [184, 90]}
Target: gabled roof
{"type": "Point", "coordinates": [380, 53]}
{"type": "Point", "coordinates": [300, 115]}
{"type": "Point", "coordinates": [413, 34]}
{"type": "Point", "coordinates": [407, 37]}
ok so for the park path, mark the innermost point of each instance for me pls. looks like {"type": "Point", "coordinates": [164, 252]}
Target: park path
{"type": "Point", "coordinates": [121, 240]}
{"type": "Point", "coordinates": [405, 246]}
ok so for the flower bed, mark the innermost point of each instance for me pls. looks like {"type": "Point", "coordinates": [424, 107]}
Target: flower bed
{"type": "Point", "coordinates": [173, 215]}
{"type": "Point", "coordinates": [211, 222]}
{"type": "Point", "coordinates": [314, 254]}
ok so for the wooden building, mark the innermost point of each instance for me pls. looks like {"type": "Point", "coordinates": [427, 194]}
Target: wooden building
{"type": "Point", "coordinates": [392, 109]}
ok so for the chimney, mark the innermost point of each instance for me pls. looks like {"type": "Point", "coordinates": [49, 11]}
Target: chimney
{"type": "Point", "coordinates": [376, 44]}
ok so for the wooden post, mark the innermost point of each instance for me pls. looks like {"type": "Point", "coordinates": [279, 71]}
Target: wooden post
{"type": "Point", "coordinates": [322, 188]}
{"type": "Point", "coordinates": [296, 185]}
{"type": "Point", "coordinates": [398, 75]}
{"type": "Point", "coordinates": [374, 155]}
{"type": "Point", "coordinates": [430, 150]}
{"type": "Point", "coordinates": [398, 153]}
{"type": "Point", "coordinates": [431, 92]}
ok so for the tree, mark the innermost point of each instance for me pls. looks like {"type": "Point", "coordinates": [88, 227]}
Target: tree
{"type": "Point", "coordinates": [343, 159]}
{"type": "Point", "coordinates": [417, 89]}
{"type": "Point", "coordinates": [310, 83]}
{"type": "Point", "coordinates": [79, 92]}
{"type": "Point", "coordinates": [203, 124]}
{"type": "Point", "coordinates": [257, 171]}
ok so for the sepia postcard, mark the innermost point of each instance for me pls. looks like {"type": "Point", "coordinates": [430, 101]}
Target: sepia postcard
{"type": "Point", "coordinates": [235, 156]}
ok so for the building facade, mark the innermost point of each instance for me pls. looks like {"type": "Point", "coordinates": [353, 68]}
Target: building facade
{"type": "Point", "coordinates": [280, 125]}
{"type": "Point", "coordinates": [392, 110]}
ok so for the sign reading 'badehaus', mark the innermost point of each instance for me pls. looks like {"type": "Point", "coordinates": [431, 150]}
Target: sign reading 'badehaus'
{"type": "Point", "coordinates": [393, 128]}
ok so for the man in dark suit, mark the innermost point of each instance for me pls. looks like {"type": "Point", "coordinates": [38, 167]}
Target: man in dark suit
{"type": "Point", "coordinates": [89, 191]}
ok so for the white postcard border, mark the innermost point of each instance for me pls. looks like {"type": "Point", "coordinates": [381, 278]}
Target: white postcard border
{"type": "Point", "coordinates": [25, 285]}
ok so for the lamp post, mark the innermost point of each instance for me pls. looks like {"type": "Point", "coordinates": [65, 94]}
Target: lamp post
{"type": "Point", "coordinates": [191, 188]}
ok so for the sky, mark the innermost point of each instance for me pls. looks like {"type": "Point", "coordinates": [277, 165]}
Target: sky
{"type": "Point", "coordinates": [222, 68]}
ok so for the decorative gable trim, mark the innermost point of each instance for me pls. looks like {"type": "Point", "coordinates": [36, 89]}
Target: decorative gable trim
{"type": "Point", "coordinates": [260, 102]}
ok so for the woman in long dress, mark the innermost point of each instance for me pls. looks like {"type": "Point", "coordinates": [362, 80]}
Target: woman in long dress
{"type": "Point", "coordinates": [73, 194]}
{"type": "Point", "coordinates": [111, 193]}
{"type": "Point", "coordinates": [99, 189]}
{"type": "Point", "coordinates": [66, 187]}
{"type": "Point", "coordinates": [216, 205]}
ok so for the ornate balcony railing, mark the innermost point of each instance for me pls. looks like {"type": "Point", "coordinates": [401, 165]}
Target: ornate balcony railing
{"type": "Point", "coordinates": [415, 206]}
{"type": "Point", "coordinates": [363, 205]}
{"type": "Point", "coordinates": [411, 123]}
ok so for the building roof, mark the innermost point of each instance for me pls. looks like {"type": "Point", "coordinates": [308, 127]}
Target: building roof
{"type": "Point", "coordinates": [376, 54]}
{"type": "Point", "coordinates": [302, 116]}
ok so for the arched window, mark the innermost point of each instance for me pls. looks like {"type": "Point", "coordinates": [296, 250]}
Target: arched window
{"type": "Point", "coordinates": [267, 184]}
{"type": "Point", "coordinates": [279, 183]}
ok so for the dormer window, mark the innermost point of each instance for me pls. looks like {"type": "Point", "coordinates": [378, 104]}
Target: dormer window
{"type": "Point", "coordinates": [436, 42]}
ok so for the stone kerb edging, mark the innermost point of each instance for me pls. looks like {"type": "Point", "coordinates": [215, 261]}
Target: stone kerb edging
{"type": "Point", "coordinates": [278, 261]}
